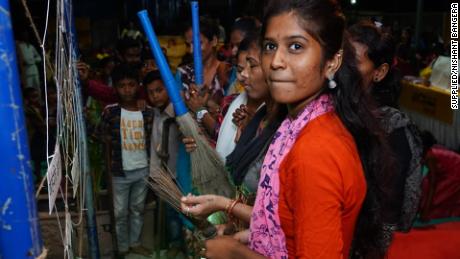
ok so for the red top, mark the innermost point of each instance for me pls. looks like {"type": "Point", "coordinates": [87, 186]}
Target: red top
{"type": "Point", "coordinates": [322, 188]}
{"type": "Point", "coordinates": [101, 92]}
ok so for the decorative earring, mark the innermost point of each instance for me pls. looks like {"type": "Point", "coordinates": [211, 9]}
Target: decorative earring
{"type": "Point", "coordinates": [332, 84]}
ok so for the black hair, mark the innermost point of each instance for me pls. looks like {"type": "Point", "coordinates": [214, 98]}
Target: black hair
{"type": "Point", "coordinates": [147, 54]}
{"type": "Point", "coordinates": [246, 24]}
{"type": "Point", "coordinates": [428, 140]}
{"type": "Point", "coordinates": [124, 71]}
{"type": "Point", "coordinates": [103, 62]}
{"type": "Point", "coordinates": [380, 50]}
{"type": "Point", "coordinates": [250, 39]}
{"type": "Point", "coordinates": [127, 43]}
{"type": "Point", "coordinates": [150, 77]}
{"type": "Point", "coordinates": [209, 28]}
{"type": "Point", "coordinates": [187, 25]}
{"type": "Point", "coordinates": [325, 22]}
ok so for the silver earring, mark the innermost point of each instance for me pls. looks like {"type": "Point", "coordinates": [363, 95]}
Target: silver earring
{"type": "Point", "coordinates": [332, 84]}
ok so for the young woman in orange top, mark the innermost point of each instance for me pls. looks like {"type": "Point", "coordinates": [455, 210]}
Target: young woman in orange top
{"type": "Point", "coordinates": [318, 195]}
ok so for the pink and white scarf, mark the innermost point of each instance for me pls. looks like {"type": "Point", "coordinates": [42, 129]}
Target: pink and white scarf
{"type": "Point", "coordinates": [267, 237]}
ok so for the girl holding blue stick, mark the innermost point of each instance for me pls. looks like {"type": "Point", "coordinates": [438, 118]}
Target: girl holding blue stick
{"type": "Point", "coordinates": [215, 75]}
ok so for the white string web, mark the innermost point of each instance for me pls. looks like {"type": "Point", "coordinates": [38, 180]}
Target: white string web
{"type": "Point", "coordinates": [70, 132]}
{"type": "Point", "coordinates": [70, 123]}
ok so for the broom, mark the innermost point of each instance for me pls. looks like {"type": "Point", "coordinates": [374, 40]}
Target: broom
{"type": "Point", "coordinates": [166, 188]}
{"type": "Point", "coordinates": [208, 173]}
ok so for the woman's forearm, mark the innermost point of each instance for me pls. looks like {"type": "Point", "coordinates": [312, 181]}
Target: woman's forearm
{"type": "Point", "coordinates": [240, 211]}
{"type": "Point", "coordinates": [209, 123]}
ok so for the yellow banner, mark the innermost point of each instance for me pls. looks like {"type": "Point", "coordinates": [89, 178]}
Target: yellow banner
{"type": "Point", "coordinates": [430, 101]}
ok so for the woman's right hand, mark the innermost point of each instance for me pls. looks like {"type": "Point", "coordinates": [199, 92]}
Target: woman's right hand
{"type": "Point", "coordinates": [202, 206]}
{"type": "Point", "coordinates": [197, 99]}
{"type": "Point", "coordinates": [190, 144]}
{"type": "Point", "coordinates": [240, 115]}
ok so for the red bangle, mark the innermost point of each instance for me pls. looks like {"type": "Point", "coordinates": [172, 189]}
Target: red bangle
{"type": "Point", "coordinates": [228, 205]}
{"type": "Point", "coordinates": [230, 208]}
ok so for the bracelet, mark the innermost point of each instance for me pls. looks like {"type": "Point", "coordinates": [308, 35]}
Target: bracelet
{"type": "Point", "coordinates": [230, 208]}
{"type": "Point", "coordinates": [228, 205]}
{"type": "Point", "coordinates": [200, 114]}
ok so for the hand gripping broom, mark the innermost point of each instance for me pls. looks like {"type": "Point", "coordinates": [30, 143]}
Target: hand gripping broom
{"type": "Point", "coordinates": [162, 183]}
{"type": "Point", "coordinates": [208, 173]}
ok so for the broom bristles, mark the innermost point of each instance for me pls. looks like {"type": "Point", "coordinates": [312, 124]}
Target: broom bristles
{"type": "Point", "coordinates": [208, 172]}
{"type": "Point", "coordinates": [165, 187]}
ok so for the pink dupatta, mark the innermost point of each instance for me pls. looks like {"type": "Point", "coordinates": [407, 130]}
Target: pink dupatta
{"type": "Point", "coordinates": [267, 237]}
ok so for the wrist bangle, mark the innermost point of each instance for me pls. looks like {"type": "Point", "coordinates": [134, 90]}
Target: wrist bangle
{"type": "Point", "coordinates": [230, 208]}
{"type": "Point", "coordinates": [230, 202]}
{"type": "Point", "coordinates": [200, 114]}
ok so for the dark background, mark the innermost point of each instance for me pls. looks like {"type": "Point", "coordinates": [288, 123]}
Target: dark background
{"type": "Point", "coordinates": [100, 21]}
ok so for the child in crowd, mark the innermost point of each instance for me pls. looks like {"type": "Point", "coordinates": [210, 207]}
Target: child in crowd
{"type": "Point", "coordinates": [165, 143]}
{"type": "Point", "coordinates": [126, 130]}
{"type": "Point", "coordinates": [130, 51]}
{"type": "Point", "coordinates": [148, 64]}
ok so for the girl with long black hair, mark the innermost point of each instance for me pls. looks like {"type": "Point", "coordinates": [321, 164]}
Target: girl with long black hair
{"type": "Point", "coordinates": [323, 176]}
{"type": "Point", "coordinates": [375, 51]}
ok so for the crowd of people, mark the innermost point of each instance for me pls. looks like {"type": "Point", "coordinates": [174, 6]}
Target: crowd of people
{"type": "Point", "coordinates": [301, 108]}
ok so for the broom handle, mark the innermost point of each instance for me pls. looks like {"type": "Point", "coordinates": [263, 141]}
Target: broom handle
{"type": "Point", "coordinates": [166, 75]}
{"type": "Point", "coordinates": [197, 61]}
{"type": "Point", "coordinates": [206, 230]}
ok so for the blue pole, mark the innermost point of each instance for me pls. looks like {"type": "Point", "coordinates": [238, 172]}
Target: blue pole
{"type": "Point", "coordinates": [166, 75]}
{"type": "Point", "coordinates": [197, 61]}
{"type": "Point", "coordinates": [19, 223]}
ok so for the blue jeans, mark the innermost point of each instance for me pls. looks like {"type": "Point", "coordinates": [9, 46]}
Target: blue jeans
{"type": "Point", "coordinates": [129, 195]}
